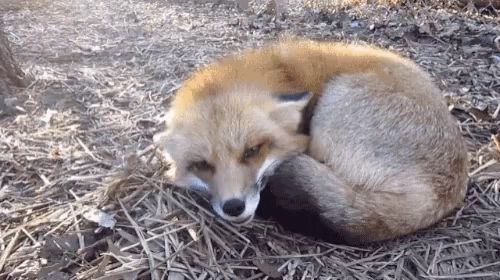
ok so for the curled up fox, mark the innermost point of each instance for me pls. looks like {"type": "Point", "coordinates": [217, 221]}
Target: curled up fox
{"type": "Point", "coordinates": [350, 143]}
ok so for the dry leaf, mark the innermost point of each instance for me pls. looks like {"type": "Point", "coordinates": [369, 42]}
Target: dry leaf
{"type": "Point", "coordinates": [480, 115]}
{"type": "Point", "coordinates": [99, 217]}
{"type": "Point", "coordinates": [58, 245]}
{"type": "Point", "coordinates": [173, 275]}
{"type": "Point", "coordinates": [425, 28]}
{"type": "Point", "coordinates": [269, 269]}
{"type": "Point", "coordinates": [121, 275]}
{"type": "Point", "coordinates": [54, 275]}
{"type": "Point", "coordinates": [450, 30]}
{"type": "Point", "coordinates": [48, 116]}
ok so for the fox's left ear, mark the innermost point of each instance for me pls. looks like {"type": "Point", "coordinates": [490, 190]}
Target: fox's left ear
{"type": "Point", "coordinates": [289, 107]}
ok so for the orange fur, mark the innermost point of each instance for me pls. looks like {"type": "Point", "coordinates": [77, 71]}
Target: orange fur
{"type": "Point", "coordinates": [382, 156]}
{"type": "Point", "coordinates": [281, 68]}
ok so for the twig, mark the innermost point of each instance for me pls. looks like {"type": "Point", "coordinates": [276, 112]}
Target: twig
{"type": "Point", "coordinates": [8, 250]}
{"type": "Point", "coordinates": [143, 242]}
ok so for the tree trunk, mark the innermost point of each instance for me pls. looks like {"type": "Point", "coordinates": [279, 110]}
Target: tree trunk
{"type": "Point", "coordinates": [10, 73]}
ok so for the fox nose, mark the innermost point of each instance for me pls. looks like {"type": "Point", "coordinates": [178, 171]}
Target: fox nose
{"type": "Point", "coordinates": [234, 207]}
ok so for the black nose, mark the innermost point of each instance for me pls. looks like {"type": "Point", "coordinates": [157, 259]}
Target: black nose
{"type": "Point", "coordinates": [234, 207]}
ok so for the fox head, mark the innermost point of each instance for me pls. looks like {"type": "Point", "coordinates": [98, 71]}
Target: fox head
{"type": "Point", "coordinates": [229, 143]}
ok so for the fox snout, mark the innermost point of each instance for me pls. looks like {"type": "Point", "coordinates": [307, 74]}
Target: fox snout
{"type": "Point", "coordinates": [238, 206]}
{"type": "Point", "coordinates": [233, 207]}
{"type": "Point", "coordinates": [238, 210]}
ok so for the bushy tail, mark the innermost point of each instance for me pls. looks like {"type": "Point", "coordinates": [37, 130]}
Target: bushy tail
{"type": "Point", "coordinates": [307, 197]}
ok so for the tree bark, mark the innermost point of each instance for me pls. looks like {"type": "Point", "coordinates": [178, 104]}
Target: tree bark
{"type": "Point", "coordinates": [10, 73]}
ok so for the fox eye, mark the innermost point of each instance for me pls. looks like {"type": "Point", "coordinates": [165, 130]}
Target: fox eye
{"type": "Point", "coordinates": [251, 152]}
{"type": "Point", "coordinates": [201, 165]}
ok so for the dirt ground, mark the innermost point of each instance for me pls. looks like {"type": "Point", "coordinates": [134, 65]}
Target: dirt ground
{"type": "Point", "coordinates": [81, 196]}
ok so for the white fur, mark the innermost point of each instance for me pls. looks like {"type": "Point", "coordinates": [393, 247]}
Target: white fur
{"type": "Point", "coordinates": [266, 170]}
{"type": "Point", "coordinates": [159, 137]}
{"type": "Point", "coordinates": [192, 182]}
{"type": "Point", "coordinates": [251, 203]}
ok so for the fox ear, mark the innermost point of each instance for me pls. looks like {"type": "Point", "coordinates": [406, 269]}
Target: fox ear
{"type": "Point", "coordinates": [166, 120]}
{"type": "Point", "coordinates": [289, 107]}
{"type": "Point", "coordinates": [161, 141]}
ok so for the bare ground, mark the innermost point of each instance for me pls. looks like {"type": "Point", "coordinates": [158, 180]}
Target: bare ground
{"type": "Point", "coordinates": [77, 139]}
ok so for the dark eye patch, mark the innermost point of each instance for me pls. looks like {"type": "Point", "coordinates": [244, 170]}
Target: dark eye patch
{"type": "Point", "coordinates": [286, 97]}
{"type": "Point", "coordinates": [201, 165]}
{"type": "Point", "coordinates": [251, 152]}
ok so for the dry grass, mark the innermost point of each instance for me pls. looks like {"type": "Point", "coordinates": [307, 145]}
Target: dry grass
{"type": "Point", "coordinates": [78, 139]}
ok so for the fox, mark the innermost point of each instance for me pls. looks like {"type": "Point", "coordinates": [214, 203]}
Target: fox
{"type": "Point", "coordinates": [348, 142]}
